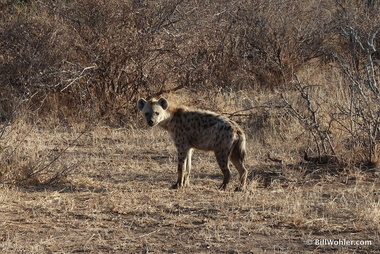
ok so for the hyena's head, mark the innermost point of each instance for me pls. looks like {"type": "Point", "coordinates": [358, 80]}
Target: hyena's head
{"type": "Point", "coordinates": [153, 110]}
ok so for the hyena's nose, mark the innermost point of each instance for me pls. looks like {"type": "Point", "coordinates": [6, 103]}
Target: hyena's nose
{"type": "Point", "coordinates": [150, 122]}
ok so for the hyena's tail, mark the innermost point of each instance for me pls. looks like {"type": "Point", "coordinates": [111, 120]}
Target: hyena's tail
{"type": "Point", "coordinates": [237, 157]}
{"type": "Point", "coordinates": [238, 150]}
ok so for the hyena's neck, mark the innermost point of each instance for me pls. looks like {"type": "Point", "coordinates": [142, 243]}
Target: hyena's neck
{"type": "Point", "coordinates": [166, 122]}
{"type": "Point", "coordinates": [172, 112]}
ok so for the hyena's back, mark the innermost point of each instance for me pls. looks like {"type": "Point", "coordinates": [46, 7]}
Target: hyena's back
{"type": "Point", "coordinates": [203, 130]}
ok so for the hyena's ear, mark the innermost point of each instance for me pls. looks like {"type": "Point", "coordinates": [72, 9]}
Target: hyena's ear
{"type": "Point", "coordinates": [163, 103]}
{"type": "Point", "coordinates": [140, 104]}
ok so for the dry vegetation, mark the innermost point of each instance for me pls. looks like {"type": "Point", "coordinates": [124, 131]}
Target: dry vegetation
{"type": "Point", "coordinates": [80, 171]}
{"type": "Point", "coordinates": [118, 201]}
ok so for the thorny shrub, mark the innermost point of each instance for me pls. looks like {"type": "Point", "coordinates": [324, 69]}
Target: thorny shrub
{"type": "Point", "coordinates": [73, 60]}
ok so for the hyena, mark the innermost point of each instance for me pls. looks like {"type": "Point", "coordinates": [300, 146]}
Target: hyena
{"type": "Point", "coordinates": [203, 130]}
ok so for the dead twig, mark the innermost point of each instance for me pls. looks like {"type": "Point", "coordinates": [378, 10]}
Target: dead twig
{"type": "Point", "coordinates": [311, 121]}
{"type": "Point", "coordinates": [35, 171]}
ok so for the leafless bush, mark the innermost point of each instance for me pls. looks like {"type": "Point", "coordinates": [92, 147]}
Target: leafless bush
{"type": "Point", "coordinates": [105, 54]}
{"type": "Point", "coordinates": [23, 160]}
{"type": "Point", "coordinates": [310, 114]}
{"type": "Point", "coordinates": [358, 114]}
{"type": "Point", "coordinates": [75, 60]}
{"type": "Point", "coordinates": [342, 116]}
{"type": "Point", "coordinates": [277, 38]}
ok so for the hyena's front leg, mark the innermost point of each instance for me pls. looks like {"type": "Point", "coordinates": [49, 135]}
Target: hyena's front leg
{"type": "Point", "coordinates": [182, 161]}
{"type": "Point", "coordinates": [187, 170]}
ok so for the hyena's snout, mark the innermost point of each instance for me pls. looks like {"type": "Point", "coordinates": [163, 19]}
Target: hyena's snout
{"type": "Point", "coordinates": [150, 122]}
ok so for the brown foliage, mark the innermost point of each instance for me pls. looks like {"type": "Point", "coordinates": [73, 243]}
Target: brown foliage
{"type": "Point", "coordinates": [73, 60]}
{"type": "Point", "coordinates": [106, 53]}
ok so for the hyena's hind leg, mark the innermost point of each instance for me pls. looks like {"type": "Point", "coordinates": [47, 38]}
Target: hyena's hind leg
{"type": "Point", "coordinates": [243, 172]}
{"type": "Point", "coordinates": [237, 158]}
{"type": "Point", "coordinates": [222, 159]}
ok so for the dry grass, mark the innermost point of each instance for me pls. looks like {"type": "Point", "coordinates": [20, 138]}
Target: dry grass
{"type": "Point", "coordinates": [118, 201]}
{"type": "Point", "coordinates": [68, 183]}
{"type": "Point", "coordinates": [66, 187]}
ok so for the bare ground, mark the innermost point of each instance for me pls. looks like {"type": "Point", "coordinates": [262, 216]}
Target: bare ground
{"type": "Point", "coordinates": [118, 201]}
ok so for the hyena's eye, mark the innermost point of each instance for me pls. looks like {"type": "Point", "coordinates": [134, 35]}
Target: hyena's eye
{"type": "Point", "coordinates": [156, 113]}
{"type": "Point", "coordinates": [146, 114]}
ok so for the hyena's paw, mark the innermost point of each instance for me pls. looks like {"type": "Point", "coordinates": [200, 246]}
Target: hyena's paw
{"type": "Point", "coordinates": [180, 186]}
{"type": "Point", "coordinates": [223, 187]}
{"type": "Point", "coordinates": [175, 186]}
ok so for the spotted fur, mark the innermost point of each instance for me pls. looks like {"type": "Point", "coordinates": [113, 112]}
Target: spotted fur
{"type": "Point", "coordinates": [196, 129]}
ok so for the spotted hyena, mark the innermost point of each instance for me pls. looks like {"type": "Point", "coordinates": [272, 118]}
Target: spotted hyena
{"type": "Point", "coordinates": [202, 130]}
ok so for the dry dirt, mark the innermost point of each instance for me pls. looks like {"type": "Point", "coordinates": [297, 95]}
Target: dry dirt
{"type": "Point", "coordinates": [117, 200]}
